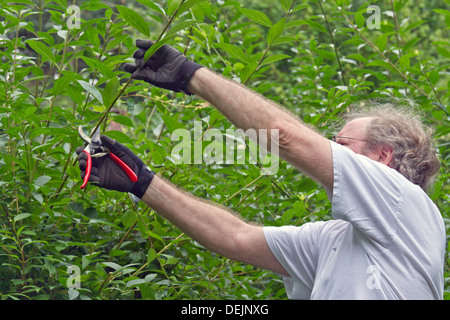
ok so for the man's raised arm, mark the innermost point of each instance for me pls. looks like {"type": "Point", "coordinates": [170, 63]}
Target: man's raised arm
{"type": "Point", "coordinates": [298, 144]}
{"type": "Point", "coordinates": [303, 147]}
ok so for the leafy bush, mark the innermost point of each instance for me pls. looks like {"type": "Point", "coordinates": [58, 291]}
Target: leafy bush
{"type": "Point", "coordinates": [315, 58]}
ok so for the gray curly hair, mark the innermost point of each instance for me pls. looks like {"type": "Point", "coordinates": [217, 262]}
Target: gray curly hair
{"type": "Point", "coordinates": [414, 153]}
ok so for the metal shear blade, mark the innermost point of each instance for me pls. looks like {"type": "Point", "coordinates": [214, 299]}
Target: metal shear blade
{"type": "Point", "coordinates": [94, 144]}
{"type": "Point", "coordinates": [94, 149]}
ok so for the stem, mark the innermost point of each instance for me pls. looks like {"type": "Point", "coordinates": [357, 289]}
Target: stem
{"type": "Point", "coordinates": [105, 114]}
{"type": "Point", "coordinates": [170, 21]}
{"type": "Point", "coordinates": [396, 27]}
{"type": "Point", "coordinates": [405, 77]}
{"type": "Point", "coordinates": [129, 81]}
{"type": "Point", "coordinates": [431, 85]}
{"type": "Point", "coordinates": [334, 42]}
{"type": "Point", "coordinates": [290, 9]}
{"type": "Point", "coordinates": [258, 66]}
{"type": "Point", "coordinates": [40, 7]}
{"type": "Point", "coordinates": [157, 254]}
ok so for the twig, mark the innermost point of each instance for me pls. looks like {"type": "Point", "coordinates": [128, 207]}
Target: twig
{"type": "Point", "coordinates": [405, 77]}
{"type": "Point", "coordinates": [430, 84]}
{"type": "Point", "coordinates": [334, 42]}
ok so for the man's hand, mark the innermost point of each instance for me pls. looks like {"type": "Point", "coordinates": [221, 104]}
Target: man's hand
{"type": "Point", "coordinates": [167, 68]}
{"type": "Point", "coordinates": [107, 174]}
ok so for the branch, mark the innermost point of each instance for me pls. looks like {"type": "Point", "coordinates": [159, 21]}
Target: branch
{"type": "Point", "coordinates": [334, 43]}
{"type": "Point", "coordinates": [405, 77]}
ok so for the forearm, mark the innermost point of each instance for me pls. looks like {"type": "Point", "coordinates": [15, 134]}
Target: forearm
{"type": "Point", "coordinates": [214, 227]}
{"type": "Point", "coordinates": [244, 108]}
{"type": "Point", "coordinates": [297, 143]}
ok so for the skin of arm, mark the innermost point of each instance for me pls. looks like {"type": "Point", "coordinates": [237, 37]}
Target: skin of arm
{"type": "Point", "coordinates": [215, 227]}
{"type": "Point", "coordinates": [298, 144]}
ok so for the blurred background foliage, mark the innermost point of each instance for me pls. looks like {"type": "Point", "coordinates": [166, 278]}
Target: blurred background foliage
{"type": "Point", "coordinates": [316, 58]}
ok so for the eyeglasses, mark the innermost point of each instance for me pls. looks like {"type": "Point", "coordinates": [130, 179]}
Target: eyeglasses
{"type": "Point", "coordinates": [334, 138]}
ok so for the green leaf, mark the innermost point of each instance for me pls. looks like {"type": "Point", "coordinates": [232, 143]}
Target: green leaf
{"type": "Point", "coordinates": [188, 5]}
{"type": "Point", "coordinates": [172, 122]}
{"type": "Point", "coordinates": [98, 65]}
{"type": "Point", "coordinates": [443, 51]}
{"type": "Point", "coordinates": [22, 216]}
{"type": "Point", "coordinates": [434, 76]}
{"type": "Point", "coordinates": [275, 31]}
{"type": "Point", "coordinates": [109, 93]}
{"type": "Point", "coordinates": [234, 51]}
{"type": "Point", "coordinates": [317, 26]}
{"type": "Point", "coordinates": [359, 20]}
{"type": "Point", "coordinates": [123, 120]}
{"type": "Point", "coordinates": [286, 4]}
{"type": "Point", "coordinates": [40, 181]}
{"type": "Point", "coordinates": [151, 255]}
{"type": "Point", "coordinates": [381, 41]}
{"type": "Point", "coordinates": [442, 11]}
{"type": "Point", "coordinates": [154, 48]}
{"type": "Point", "coordinates": [92, 35]}
{"type": "Point", "coordinates": [134, 19]}
{"type": "Point", "coordinates": [119, 136]}
{"type": "Point", "coordinates": [60, 85]}
{"type": "Point", "coordinates": [284, 39]}
{"type": "Point", "coordinates": [412, 26]}
{"type": "Point", "coordinates": [128, 219]}
{"type": "Point", "coordinates": [92, 90]}
{"type": "Point", "coordinates": [274, 58]}
{"type": "Point", "coordinates": [380, 63]}
{"type": "Point", "coordinates": [170, 259]}
{"type": "Point", "coordinates": [62, 3]}
{"type": "Point", "coordinates": [300, 7]}
{"type": "Point", "coordinates": [171, 33]}
{"type": "Point", "coordinates": [404, 62]}
{"type": "Point", "coordinates": [116, 252]}
{"type": "Point", "coordinates": [112, 265]}
{"type": "Point", "coordinates": [135, 282]}
{"type": "Point", "coordinates": [45, 52]}
{"type": "Point", "coordinates": [248, 71]}
{"type": "Point", "coordinates": [152, 5]}
{"type": "Point", "coordinates": [178, 27]}
{"type": "Point", "coordinates": [257, 16]}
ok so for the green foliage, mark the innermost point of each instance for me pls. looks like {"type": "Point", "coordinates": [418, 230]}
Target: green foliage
{"type": "Point", "coordinates": [315, 58]}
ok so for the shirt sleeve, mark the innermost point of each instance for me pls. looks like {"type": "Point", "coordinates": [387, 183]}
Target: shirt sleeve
{"type": "Point", "coordinates": [367, 194]}
{"type": "Point", "coordinates": [296, 248]}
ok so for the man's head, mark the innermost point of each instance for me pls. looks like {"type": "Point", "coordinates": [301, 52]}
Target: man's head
{"type": "Point", "coordinates": [395, 137]}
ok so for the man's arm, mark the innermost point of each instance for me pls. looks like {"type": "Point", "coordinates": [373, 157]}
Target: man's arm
{"type": "Point", "coordinates": [216, 228]}
{"type": "Point", "coordinates": [303, 147]}
{"type": "Point", "coordinates": [212, 226]}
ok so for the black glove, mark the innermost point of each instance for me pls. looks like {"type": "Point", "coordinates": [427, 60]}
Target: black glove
{"type": "Point", "coordinates": [167, 68]}
{"type": "Point", "coordinates": [107, 174]}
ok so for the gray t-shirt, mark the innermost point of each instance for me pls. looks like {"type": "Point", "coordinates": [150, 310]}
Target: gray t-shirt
{"type": "Point", "coordinates": [387, 239]}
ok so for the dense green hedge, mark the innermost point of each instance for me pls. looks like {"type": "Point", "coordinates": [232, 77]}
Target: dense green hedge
{"type": "Point", "coordinates": [315, 58]}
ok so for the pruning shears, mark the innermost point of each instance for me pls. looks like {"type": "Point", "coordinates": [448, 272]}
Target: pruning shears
{"type": "Point", "coordinates": [95, 149]}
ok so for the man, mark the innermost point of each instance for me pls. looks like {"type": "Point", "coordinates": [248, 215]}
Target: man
{"type": "Point", "coordinates": [387, 239]}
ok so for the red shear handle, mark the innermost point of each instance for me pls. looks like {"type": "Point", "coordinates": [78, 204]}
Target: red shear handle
{"type": "Point", "coordinates": [88, 169]}
{"type": "Point", "coordinates": [130, 173]}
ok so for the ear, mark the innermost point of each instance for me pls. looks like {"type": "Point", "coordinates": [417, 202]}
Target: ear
{"type": "Point", "coordinates": [386, 155]}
